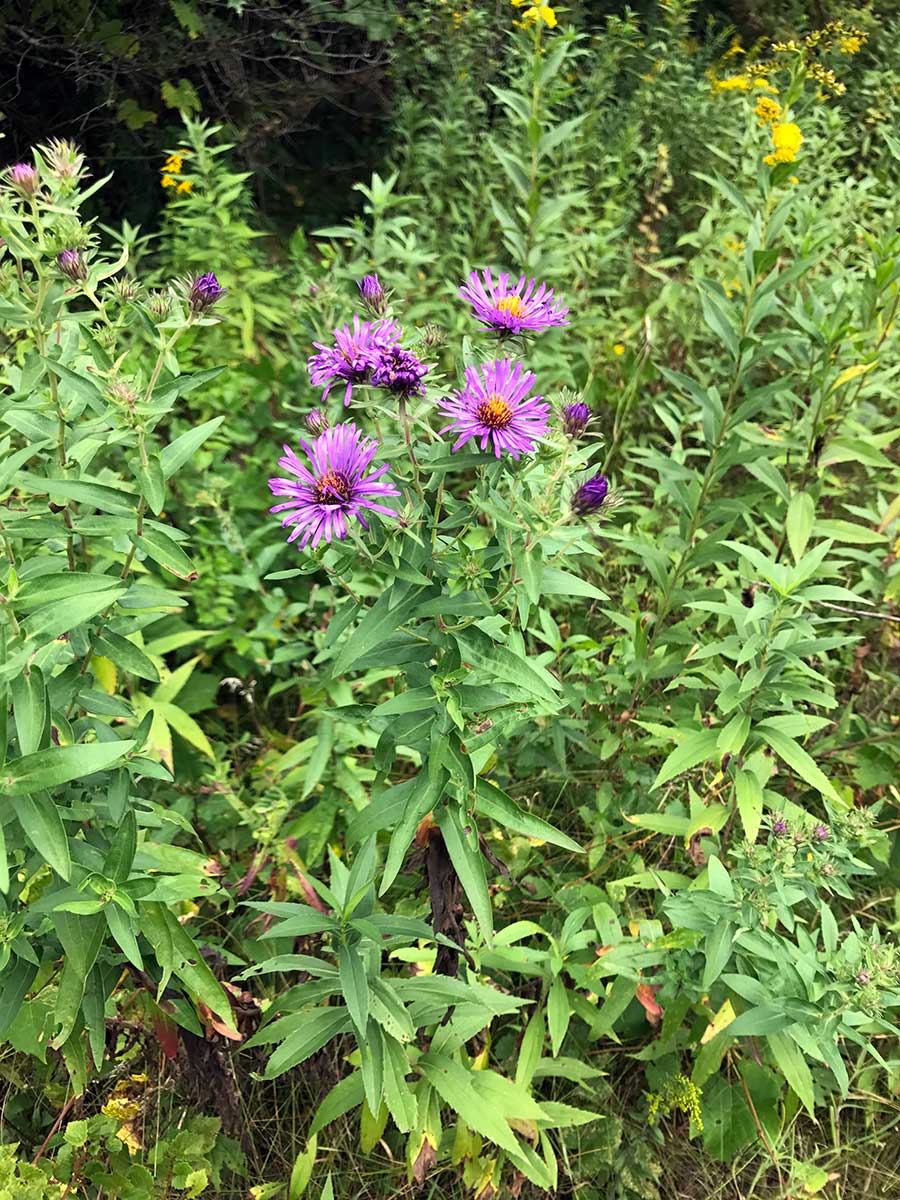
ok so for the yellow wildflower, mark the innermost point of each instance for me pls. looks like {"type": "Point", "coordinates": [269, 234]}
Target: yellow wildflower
{"type": "Point", "coordinates": [793, 179]}
{"type": "Point", "coordinates": [618, 349]}
{"type": "Point", "coordinates": [734, 48]}
{"type": "Point", "coordinates": [538, 12]}
{"type": "Point", "coordinates": [733, 244]}
{"type": "Point", "coordinates": [186, 185]}
{"type": "Point", "coordinates": [763, 85]}
{"type": "Point", "coordinates": [740, 82]}
{"type": "Point", "coordinates": [786, 139]}
{"type": "Point", "coordinates": [172, 165]}
{"type": "Point", "coordinates": [851, 44]}
{"type": "Point", "coordinates": [168, 181]}
{"type": "Point", "coordinates": [767, 110]}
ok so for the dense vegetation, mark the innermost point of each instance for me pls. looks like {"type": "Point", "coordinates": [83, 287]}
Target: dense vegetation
{"type": "Point", "coordinates": [513, 809]}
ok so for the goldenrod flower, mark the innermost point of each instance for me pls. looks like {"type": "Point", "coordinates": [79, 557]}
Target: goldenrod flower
{"type": "Point", "coordinates": [186, 185]}
{"type": "Point", "coordinates": [618, 349]}
{"type": "Point", "coordinates": [767, 110]}
{"type": "Point", "coordinates": [787, 139]}
{"type": "Point", "coordinates": [537, 12]}
{"type": "Point", "coordinates": [168, 181]}
{"type": "Point", "coordinates": [740, 82]}
{"type": "Point", "coordinates": [734, 48]}
{"type": "Point", "coordinates": [173, 165]}
{"type": "Point", "coordinates": [851, 44]}
{"type": "Point", "coordinates": [733, 244]}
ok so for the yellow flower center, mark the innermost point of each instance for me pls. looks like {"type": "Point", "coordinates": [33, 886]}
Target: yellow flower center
{"type": "Point", "coordinates": [494, 412]}
{"type": "Point", "coordinates": [512, 305]}
{"type": "Point", "coordinates": [332, 488]}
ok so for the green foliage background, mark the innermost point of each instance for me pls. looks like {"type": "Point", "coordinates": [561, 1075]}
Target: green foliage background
{"type": "Point", "coordinates": [650, 759]}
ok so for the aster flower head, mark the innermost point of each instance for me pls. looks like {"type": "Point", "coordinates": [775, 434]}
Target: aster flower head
{"type": "Point", "coordinates": [494, 407]}
{"type": "Point", "coordinates": [820, 833]}
{"type": "Point", "coordinates": [373, 295]}
{"type": "Point", "coordinates": [72, 265]}
{"type": "Point", "coordinates": [590, 496]}
{"type": "Point", "coordinates": [400, 371]}
{"type": "Point", "coordinates": [522, 308]}
{"type": "Point", "coordinates": [23, 177]}
{"type": "Point", "coordinates": [575, 418]}
{"type": "Point", "coordinates": [357, 351]}
{"type": "Point", "coordinates": [316, 422]}
{"type": "Point", "coordinates": [780, 827]}
{"type": "Point", "coordinates": [335, 486]}
{"type": "Point", "coordinates": [205, 292]}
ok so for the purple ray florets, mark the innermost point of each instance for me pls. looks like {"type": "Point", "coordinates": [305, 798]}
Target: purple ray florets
{"type": "Point", "coordinates": [316, 422]}
{"type": "Point", "coordinates": [590, 496]}
{"type": "Point", "coordinates": [400, 372]}
{"type": "Point", "coordinates": [575, 418]}
{"type": "Point", "coordinates": [205, 292]}
{"type": "Point", "coordinates": [494, 406]}
{"type": "Point", "coordinates": [525, 307]}
{"type": "Point", "coordinates": [357, 351]}
{"type": "Point", "coordinates": [335, 486]}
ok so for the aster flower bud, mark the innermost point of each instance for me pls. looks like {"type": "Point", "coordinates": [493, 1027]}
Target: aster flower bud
{"type": "Point", "coordinates": [433, 336]}
{"type": "Point", "coordinates": [64, 159]}
{"type": "Point", "coordinates": [121, 393]}
{"type": "Point", "coordinates": [124, 288]}
{"type": "Point", "coordinates": [575, 418]}
{"type": "Point", "coordinates": [72, 265]}
{"type": "Point", "coordinates": [205, 292]}
{"type": "Point", "coordinates": [373, 295]}
{"type": "Point", "coordinates": [863, 977]}
{"type": "Point", "coordinates": [159, 305]}
{"type": "Point", "coordinates": [316, 422]}
{"type": "Point", "coordinates": [23, 177]}
{"type": "Point", "coordinates": [590, 496]}
{"type": "Point", "coordinates": [820, 833]}
{"type": "Point", "coordinates": [780, 827]}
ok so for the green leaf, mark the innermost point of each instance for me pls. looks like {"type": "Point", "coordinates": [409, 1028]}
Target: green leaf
{"type": "Point", "coordinates": [355, 989]}
{"type": "Point", "coordinates": [558, 1014]}
{"type": "Point", "coordinates": [560, 583]}
{"type": "Point", "coordinates": [31, 709]}
{"type": "Point", "coordinates": [454, 1085]}
{"type": "Point", "coordinates": [59, 764]}
{"type": "Point", "coordinates": [696, 747]}
{"type": "Point", "coordinates": [749, 797]}
{"type": "Point", "coordinates": [321, 1026]}
{"type": "Point", "coordinates": [798, 760]}
{"type": "Point", "coordinates": [62, 616]}
{"type": "Point", "coordinates": [302, 1170]}
{"type": "Point", "coordinates": [152, 483]}
{"type": "Point", "coordinates": [389, 612]}
{"type": "Point", "coordinates": [801, 516]}
{"type": "Point", "coordinates": [499, 807]}
{"type": "Point", "coordinates": [345, 1095]}
{"type": "Point", "coordinates": [790, 1061]}
{"type": "Point", "coordinates": [468, 863]}
{"type": "Point", "coordinates": [163, 550]}
{"type": "Point", "coordinates": [173, 457]}
{"type": "Point", "coordinates": [127, 655]}
{"type": "Point", "coordinates": [43, 826]}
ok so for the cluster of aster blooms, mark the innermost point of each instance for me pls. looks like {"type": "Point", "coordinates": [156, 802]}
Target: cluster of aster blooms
{"type": "Point", "coordinates": [495, 407]}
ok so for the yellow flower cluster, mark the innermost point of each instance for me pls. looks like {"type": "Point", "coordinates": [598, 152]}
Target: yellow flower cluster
{"type": "Point", "coordinates": [535, 13]}
{"type": "Point", "coordinates": [767, 110]}
{"type": "Point", "coordinates": [678, 1092]}
{"type": "Point", "coordinates": [172, 168]}
{"type": "Point", "coordinates": [786, 138]}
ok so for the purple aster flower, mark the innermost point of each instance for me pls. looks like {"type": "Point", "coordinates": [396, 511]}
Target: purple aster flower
{"type": "Point", "coordinates": [337, 485]}
{"type": "Point", "coordinates": [575, 418]}
{"type": "Point", "coordinates": [779, 827]}
{"type": "Point", "coordinates": [820, 833]}
{"type": "Point", "coordinates": [373, 295]}
{"type": "Point", "coordinates": [400, 371]}
{"type": "Point", "coordinates": [357, 351]}
{"type": "Point", "coordinates": [23, 177]}
{"type": "Point", "coordinates": [590, 495]}
{"type": "Point", "coordinates": [316, 422]}
{"type": "Point", "coordinates": [526, 307]}
{"type": "Point", "coordinates": [205, 292]}
{"type": "Point", "coordinates": [72, 264]}
{"type": "Point", "coordinates": [494, 406]}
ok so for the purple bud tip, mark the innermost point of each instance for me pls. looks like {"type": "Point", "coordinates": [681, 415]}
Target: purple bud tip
{"type": "Point", "coordinates": [575, 418]}
{"type": "Point", "coordinates": [373, 295]}
{"type": "Point", "coordinates": [316, 422]}
{"type": "Point", "coordinates": [72, 265]}
{"type": "Point", "coordinates": [24, 177]}
{"type": "Point", "coordinates": [205, 292]}
{"type": "Point", "coordinates": [589, 497]}
{"type": "Point", "coordinates": [820, 833]}
{"type": "Point", "coordinates": [779, 827]}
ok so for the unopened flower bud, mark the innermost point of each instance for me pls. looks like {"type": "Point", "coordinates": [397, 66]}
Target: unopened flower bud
{"type": "Point", "coordinates": [575, 418]}
{"type": "Point", "coordinates": [205, 292]}
{"type": "Point", "coordinates": [24, 178]}
{"type": "Point", "coordinates": [433, 336]}
{"type": "Point", "coordinates": [590, 496]}
{"type": "Point", "coordinates": [373, 295]}
{"type": "Point", "coordinates": [72, 265]}
{"type": "Point", "coordinates": [158, 305]}
{"type": "Point", "coordinates": [316, 422]}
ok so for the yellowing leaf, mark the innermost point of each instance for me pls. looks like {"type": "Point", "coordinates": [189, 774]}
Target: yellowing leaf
{"type": "Point", "coordinates": [720, 1021]}
{"type": "Point", "coordinates": [105, 673]}
{"type": "Point", "coordinates": [852, 373]}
